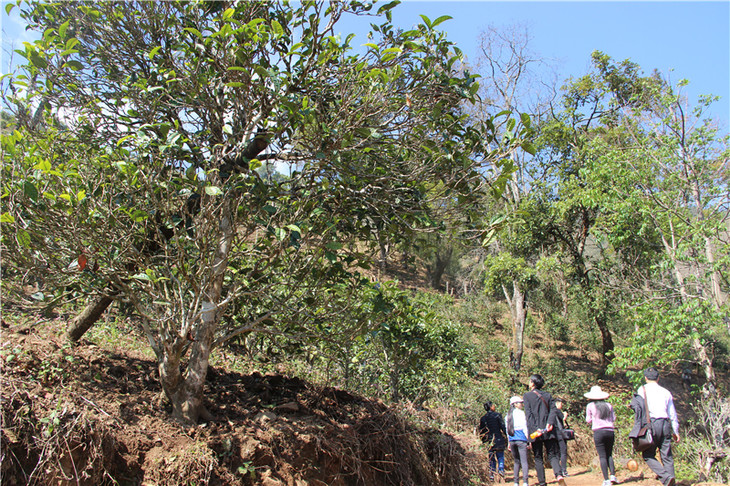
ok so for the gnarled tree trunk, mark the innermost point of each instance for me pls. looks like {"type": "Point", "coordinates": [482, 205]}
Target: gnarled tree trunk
{"type": "Point", "coordinates": [186, 391]}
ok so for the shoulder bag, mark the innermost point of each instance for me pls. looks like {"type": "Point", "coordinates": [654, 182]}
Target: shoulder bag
{"type": "Point", "coordinates": [644, 440]}
{"type": "Point", "coordinates": [567, 434]}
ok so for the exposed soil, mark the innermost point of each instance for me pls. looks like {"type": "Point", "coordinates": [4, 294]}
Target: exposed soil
{"type": "Point", "coordinates": [90, 416]}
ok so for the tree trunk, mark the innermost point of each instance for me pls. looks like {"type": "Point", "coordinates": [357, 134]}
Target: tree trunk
{"type": "Point", "coordinates": [518, 330]}
{"type": "Point", "coordinates": [439, 267]}
{"type": "Point", "coordinates": [384, 250]}
{"type": "Point", "coordinates": [598, 311]}
{"type": "Point", "coordinates": [518, 309]}
{"type": "Point", "coordinates": [704, 360]}
{"type": "Point", "coordinates": [186, 392]}
{"type": "Point", "coordinates": [82, 322]}
{"type": "Point", "coordinates": [606, 341]}
{"type": "Point", "coordinates": [719, 298]}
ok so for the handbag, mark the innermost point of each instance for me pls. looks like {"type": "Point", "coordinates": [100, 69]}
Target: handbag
{"type": "Point", "coordinates": [568, 434]}
{"type": "Point", "coordinates": [645, 439]}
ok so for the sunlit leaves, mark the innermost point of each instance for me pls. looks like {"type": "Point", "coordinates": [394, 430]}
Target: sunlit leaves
{"type": "Point", "coordinates": [168, 124]}
{"type": "Point", "coordinates": [213, 191]}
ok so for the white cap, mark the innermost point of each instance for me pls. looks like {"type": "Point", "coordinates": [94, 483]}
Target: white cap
{"type": "Point", "coordinates": [515, 399]}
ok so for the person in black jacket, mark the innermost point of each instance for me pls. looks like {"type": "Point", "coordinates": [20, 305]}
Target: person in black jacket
{"type": "Point", "coordinates": [541, 414]}
{"type": "Point", "coordinates": [494, 433]}
{"type": "Point", "coordinates": [560, 425]}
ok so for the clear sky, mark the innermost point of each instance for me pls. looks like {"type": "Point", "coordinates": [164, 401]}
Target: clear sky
{"type": "Point", "coordinates": [682, 39]}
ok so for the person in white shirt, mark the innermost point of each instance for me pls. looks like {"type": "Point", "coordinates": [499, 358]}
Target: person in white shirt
{"type": "Point", "coordinates": [517, 435]}
{"type": "Point", "coordinates": [664, 426]}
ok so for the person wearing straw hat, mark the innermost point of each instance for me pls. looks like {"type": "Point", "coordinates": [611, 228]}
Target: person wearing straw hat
{"type": "Point", "coordinates": [517, 434]}
{"type": "Point", "coordinates": [600, 414]}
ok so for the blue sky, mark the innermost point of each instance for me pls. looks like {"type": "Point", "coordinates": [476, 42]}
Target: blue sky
{"type": "Point", "coordinates": [690, 38]}
{"type": "Point", "coordinates": [682, 39]}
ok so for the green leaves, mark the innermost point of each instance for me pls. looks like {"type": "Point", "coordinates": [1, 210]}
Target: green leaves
{"type": "Point", "coordinates": [277, 29]}
{"type": "Point", "coordinates": [432, 25]}
{"type": "Point", "coordinates": [241, 149]}
{"type": "Point", "coordinates": [30, 191]}
{"type": "Point", "coordinates": [213, 191]}
{"type": "Point", "coordinates": [528, 147]}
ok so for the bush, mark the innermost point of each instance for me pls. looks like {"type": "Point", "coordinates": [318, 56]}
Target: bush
{"type": "Point", "coordinates": [704, 452]}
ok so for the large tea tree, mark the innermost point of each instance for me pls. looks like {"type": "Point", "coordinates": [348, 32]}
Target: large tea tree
{"type": "Point", "coordinates": [141, 166]}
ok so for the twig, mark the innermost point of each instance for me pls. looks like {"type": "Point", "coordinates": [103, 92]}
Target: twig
{"type": "Point", "coordinates": [93, 404]}
{"type": "Point", "coordinates": [73, 463]}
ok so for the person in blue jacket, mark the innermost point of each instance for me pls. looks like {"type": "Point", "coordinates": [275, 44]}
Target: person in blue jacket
{"type": "Point", "coordinates": [493, 433]}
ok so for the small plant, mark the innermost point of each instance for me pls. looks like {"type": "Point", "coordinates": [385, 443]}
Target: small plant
{"type": "Point", "coordinates": [705, 449]}
{"type": "Point", "coordinates": [51, 422]}
{"type": "Point", "coordinates": [247, 468]}
{"type": "Point", "coordinates": [50, 372]}
{"type": "Point", "coordinates": [11, 355]}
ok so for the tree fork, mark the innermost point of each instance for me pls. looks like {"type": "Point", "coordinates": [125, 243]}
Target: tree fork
{"type": "Point", "coordinates": [96, 307]}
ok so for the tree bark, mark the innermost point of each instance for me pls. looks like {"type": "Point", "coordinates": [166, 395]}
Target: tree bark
{"type": "Point", "coordinates": [704, 360]}
{"type": "Point", "coordinates": [518, 308]}
{"type": "Point", "coordinates": [597, 310]}
{"type": "Point", "coordinates": [719, 298]}
{"type": "Point", "coordinates": [439, 267]}
{"type": "Point", "coordinates": [606, 342]}
{"type": "Point", "coordinates": [186, 392]}
{"type": "Point", "coordinates": [82, 322]}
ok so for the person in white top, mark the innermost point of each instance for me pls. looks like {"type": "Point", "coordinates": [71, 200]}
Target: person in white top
{"type": "Point", "coordinates": [664, 426]}
{"type": "Point", "coordinates": [517, 434]}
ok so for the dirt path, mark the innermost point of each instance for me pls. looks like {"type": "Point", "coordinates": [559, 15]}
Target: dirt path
{"type": "Point", "coordinates": [585, 476]}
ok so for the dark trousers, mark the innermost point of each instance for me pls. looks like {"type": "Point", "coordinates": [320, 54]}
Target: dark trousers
{"type": "Point", "coordinates": [604, 439]}
{"type": "Point", "coordinates": [563, 447]}
{"type": "Point", "coordinates": [552, 449]}
{"type": "Point", "coordinates": [661, 430]}
{"type": "Point", "coordinates": [496, 461]}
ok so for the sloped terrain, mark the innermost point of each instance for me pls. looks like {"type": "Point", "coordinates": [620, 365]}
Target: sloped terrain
{"type": "Point", "coordinates": [88, 413]}
{"type": "Point", "coordinates": [93, 414]}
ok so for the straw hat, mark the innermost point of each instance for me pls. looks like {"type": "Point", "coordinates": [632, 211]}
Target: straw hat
{"type": "Point", "coordinates": [596, 394]}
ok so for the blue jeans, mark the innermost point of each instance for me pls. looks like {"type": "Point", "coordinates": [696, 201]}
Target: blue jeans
{"type": "Point", "coordinates": [496, 457]}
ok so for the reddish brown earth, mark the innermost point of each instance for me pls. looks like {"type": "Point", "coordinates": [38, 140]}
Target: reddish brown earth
{"type": "Point", "coordinates": [88, 416]}
{"type": "Point", "coordinates": [85, 415]}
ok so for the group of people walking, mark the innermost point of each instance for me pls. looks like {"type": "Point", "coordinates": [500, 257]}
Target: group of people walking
{"type": "Point", "coordinates": [536, 422]}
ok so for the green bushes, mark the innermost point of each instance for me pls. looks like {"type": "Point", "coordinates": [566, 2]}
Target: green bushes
{"type": "Point", "coordinates": [404, 348]}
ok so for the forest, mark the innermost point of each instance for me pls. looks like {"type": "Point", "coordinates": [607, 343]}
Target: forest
{"type": "Point", "coordinates": [214, 196]}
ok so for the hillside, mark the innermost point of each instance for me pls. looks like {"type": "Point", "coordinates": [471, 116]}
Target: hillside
{"type": "Point", "coordinates": [87, 415]}
{"type": "Point", "coordinates": [91, 415]}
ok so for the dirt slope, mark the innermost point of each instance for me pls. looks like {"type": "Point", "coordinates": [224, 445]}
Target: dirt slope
{"type": "Point", "coordinates": [90, 416]}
